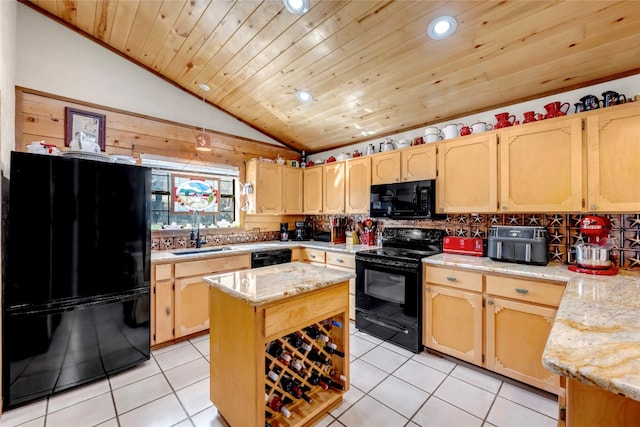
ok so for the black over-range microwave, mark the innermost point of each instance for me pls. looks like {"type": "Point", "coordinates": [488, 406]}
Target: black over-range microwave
{"type": "Point", "coordinates": [405, 200]}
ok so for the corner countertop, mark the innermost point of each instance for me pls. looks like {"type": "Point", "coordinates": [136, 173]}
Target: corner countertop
{"type": "Point", "coordinates": [269, 284]}
{"type": "Point", "coordinates": [233, 249]}
{"type": "Point", "coordinates": [595, 337]}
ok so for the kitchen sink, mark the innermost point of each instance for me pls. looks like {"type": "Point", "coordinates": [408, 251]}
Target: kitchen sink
{"type": "Point", "coordinates": [202, 250]}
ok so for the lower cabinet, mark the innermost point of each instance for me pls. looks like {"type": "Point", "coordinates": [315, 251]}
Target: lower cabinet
{"type": "Point", "coordinates": [180, 297]}
{"type": "Point", "coordinates": [510, 318]}
{"type": "Point", "coordinates": [589, 406]}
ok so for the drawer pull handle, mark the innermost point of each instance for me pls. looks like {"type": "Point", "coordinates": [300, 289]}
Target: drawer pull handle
{"type": "Point", "coordinates": [312, 256]}
{"type": "Point", "coordinates": [451, 278]}
{"type": "Point", "coordinates": [522, 291]}
{"type": "Point", "coordinates": [427, 289]}
{"type": "Point", "coordinates": [339, 260]}
{"type": "Point", "coordinates": [490, 302]}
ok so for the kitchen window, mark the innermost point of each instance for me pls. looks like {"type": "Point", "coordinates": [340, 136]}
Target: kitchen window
{"type": "Point", "coordinates": [164, 172]}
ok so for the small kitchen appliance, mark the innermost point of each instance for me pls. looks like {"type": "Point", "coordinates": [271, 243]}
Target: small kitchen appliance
{"type": "Point", "coordinates": [594, 256]}
{"type": "Point", "coordinates": [464, 246]}
{"type": "Point", "coordinates": [304, 230]}
{"type": "Point", "coordinates": [518, 244]}
{"type": "Point", "coordinates": [284, 231]}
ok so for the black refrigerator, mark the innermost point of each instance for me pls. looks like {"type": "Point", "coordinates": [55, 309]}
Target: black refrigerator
{"type": "Point", "coordinates": [76, 265]}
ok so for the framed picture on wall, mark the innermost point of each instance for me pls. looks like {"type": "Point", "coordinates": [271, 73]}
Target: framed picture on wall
{"type": "Point", "coordinates": [84, 130]}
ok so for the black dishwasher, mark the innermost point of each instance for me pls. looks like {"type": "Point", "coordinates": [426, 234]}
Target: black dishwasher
{"type": "Point", "coordinates": [270, 257]}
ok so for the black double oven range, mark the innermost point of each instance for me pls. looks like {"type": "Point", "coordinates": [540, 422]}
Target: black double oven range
{"type": "Point", "coordinates": [389, 285]}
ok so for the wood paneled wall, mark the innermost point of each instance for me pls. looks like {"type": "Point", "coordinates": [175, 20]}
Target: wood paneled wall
{"type": "Point", "coordinates": [41, 116]}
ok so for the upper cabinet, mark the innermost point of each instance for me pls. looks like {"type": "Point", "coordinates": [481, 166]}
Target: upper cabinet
{"type": "Point", "coordinates": [333, 188]}
{"type": "Point", "coordinates": [409, 164]}
{"type": "Point", "coordinates": [358, 185]}
{"type": "Point", "coordinates": [541, 166]}
{"type": "Point", "coordinates": [292, 190]}
{"type": "Point", "coordinates": [312, 184]}
{"type": "Point", "coordinates": [266, 197]}
{"type": "Point", "coordinates": [613, 159]}
{"type": "Point", "coordinates": [468, 174]}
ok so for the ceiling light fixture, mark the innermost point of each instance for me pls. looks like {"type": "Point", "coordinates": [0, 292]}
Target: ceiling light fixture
{"type": "Point", "coordinates": [442, 27]}
{"type": "Point", "coordinates": [297, 7]}
{"type": "Point", "coordinates": [203, 141]}
{"type": "Point", "coordinates": [304, 96]}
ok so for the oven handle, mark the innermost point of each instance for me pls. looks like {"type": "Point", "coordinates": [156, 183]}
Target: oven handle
{"type": "Point", "coordinates": [385, 325]}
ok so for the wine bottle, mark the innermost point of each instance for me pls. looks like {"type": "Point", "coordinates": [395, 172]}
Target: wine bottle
{"type": "Point", "coordinates": [332, 383]}
{"type": "Point", "coordinates": [314, 356]}
{"type": "Point", "coordinates": [273, 376]}
{"type": "Point", "coordinates": [312, 331]}
{"type": "Point", "coordinates": [277, 404]}
{"type": "Point", "coordinates": [285, 359]}
{"type": "Point", "coordinates": [315, 379]}
{"type": "Point", "coordinates": [331, 348]}
{"type": "Point", "coordinates": [275, 349]}
{"type": "Point", "coordinates": [295, 340]}
{"type": "Point", "coordinates": [306, 347]}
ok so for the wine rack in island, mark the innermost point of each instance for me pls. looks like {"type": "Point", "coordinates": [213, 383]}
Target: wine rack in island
{"type": "Point", "coordinates": [281, 364]}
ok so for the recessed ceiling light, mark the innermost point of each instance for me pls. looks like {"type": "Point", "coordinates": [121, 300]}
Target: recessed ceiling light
{"type": "Point", "coordinates": [297, 7]}
{"type": "Point", "coordinates": [304, 96]}
{"type": "Point", "coordinates": [204, 87]}
{"type": "Point", "coordinates": [442, 27]}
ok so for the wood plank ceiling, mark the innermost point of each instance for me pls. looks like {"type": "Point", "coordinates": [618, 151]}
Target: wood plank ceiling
{"type": "Point", "coordinates": [369, 64]}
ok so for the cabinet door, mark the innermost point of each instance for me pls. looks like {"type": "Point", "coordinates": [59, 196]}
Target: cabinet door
{"type": "Point", "coordinates": [269, 188]}
{"type": "Point", "coordinates": [468, 175]}
{"type": "Point", "coordinates": [541, 167]}
{"type": "Point", "coordinates": [613, 152]}
{"type": "Point", "coordinates": [291, 190]}
{"type": "Point", "coordinates": [312, 183]}
{"type": "Point", "coordinates": [191, 306]}
{"type": "Point", "coordinates": [163, 310]}
{"type": "Point", "coordinates": [358, 185]}
{"type": "Point", "coordinates": [419, 163]}
{"type": "Point", "coordinates": [516, 334]}
{"type": "Point", "coordinates": [453, 322]}
{"type": "Point", "coordinates": [333, 189]}
{"type": "Point", "coordinates": [385, 168]}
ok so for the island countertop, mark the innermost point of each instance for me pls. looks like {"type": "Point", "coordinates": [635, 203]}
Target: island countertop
{"type": "Point", "coordinates": [595, 337]}
{"type": "Point", "coordinates": [268, 284]}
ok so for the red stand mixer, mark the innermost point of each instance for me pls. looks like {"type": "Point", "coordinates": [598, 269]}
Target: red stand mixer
{"type": "Point", "coordinates": [595, 256]}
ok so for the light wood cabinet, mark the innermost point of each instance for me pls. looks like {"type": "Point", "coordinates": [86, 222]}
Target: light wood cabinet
{"type": "Point", "coordinates": [292, 190]}
{"type": "Point", "coordinates": [468, 174]}
{"type": "Point", "coordinates": [541, 166]}
{"type": "Point", "coordinates": [179, 302]}
{"type": "Point", "coordinates": [162, 329]}
{"type": "Point", "coordinates": [312, 184]}
{"type": "Point", "coordinates": [358, 185]}
{"type": "Point", "coordinates": [408, 164]}
{"type": "Point", "coordinates": [239, 357]}
{"type": "Point", "coordinates": [517, 315]}
{"type": "Point", "coordinates": [333, 197]}
{"type": "Point", "coordinates": [266, 178]}
{"type": "Point", "coordinates": [517, 329]}
{"type": "Point", "coordinates": [453, 313]}
{"type": "Point", "coordinates": [385, 168]}
{"type": "Point", "coordinates": [613, 155]}
{"type": "Point", "coordinates": [418, 163]}
{"type": "Point", "coordinates": [589, 406]}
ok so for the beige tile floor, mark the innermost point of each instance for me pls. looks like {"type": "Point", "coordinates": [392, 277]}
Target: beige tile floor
{"type": "Point", "coordinates": [389, 387]}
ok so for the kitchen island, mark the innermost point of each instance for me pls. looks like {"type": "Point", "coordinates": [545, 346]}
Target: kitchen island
{"type": "Point", "coordinates": [594, 341]}
{"type": "Point", "coordinates": [279, 339]}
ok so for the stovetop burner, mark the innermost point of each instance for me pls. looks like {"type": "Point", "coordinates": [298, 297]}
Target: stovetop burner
{"type": "Point", "coordinates": [407, 244]}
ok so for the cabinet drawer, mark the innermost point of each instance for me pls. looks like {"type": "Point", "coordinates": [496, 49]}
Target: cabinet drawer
{"type": "Point", "coordinates": [548, 293]}
{"type": "Point", "coordinates": [213, 265]}
{"type": "Point", "coordinates": [304, 309]}
{"type": "Point", "coordinates": [313, 255]}
{"type": "Point", "coordinates": [460, 279]}
{"type": "Point", "coordinates": [163, 272]}
{"type": "Point", "coordinates": [341, 259]}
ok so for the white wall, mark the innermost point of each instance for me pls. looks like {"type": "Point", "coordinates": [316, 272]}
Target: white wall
{"type": "Point", "coordinates": [7, 78]}
{"type": "Point", "coordinates": [629, 86]}
{"type": "Point", "coordinates": [56, 60]}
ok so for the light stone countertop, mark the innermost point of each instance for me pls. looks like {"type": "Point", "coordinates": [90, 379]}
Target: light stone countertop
{"type": "Point", "coordinates": [595, 337]}
{"type": "Point", "coordinates": [159, 257]}
{"type": "Point", "coordinates": [275, 282]}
